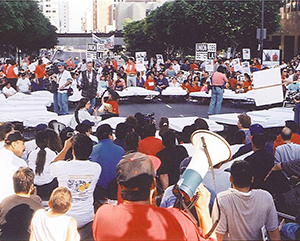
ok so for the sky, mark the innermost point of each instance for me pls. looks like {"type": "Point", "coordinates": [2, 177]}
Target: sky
{"type": "Point", "coordinates": [76, 11]}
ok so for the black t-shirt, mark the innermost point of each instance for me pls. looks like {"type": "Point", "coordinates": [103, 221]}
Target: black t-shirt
{"type": "Point", "coordinates": [15, 216]}
{"type": "Point", "coordinates": [261, 163]}
{"type": "Point", "coordinates": [170, 161]}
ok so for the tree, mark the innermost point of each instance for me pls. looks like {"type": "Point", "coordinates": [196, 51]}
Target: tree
{"type": "Point", "coordinates": [180, 24]}
{"type": "Point", "coordinates": [24, 26]}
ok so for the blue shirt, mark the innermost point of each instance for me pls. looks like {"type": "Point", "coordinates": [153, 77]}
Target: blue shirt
{"type": "Point", "coordinates": [108, 155]}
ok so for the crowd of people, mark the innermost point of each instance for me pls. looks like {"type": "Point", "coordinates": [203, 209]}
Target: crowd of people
{"type": "Point", "coordinates": [118, 184]}
{"type": "Point", "coordinates": [80, 185]}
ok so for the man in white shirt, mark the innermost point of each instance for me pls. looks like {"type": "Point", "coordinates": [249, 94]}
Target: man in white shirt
{"type": "Point", "coordinates": [63, 79]}
{"type": "Point", "coordinates": [79, 175]}
{"type": "Point", "coordinates": [10, 161]}
{"type": "Point", "coordinates": [24, 84]}
{"type": "Point", "coordinates": [8, 91]}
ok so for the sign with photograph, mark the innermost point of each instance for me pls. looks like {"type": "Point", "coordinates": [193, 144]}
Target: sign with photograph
{"type": "Point", "coordinates": [271, 57]}
{"type": "Point", "coordinates": [246, 54]}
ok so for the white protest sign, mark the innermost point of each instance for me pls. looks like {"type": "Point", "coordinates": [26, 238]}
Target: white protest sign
{"type": "Point", "coordinates": [209, 65]}
{"type": "Point", "coordinates": [205, 51]}
{"type": "Point", "coordinates": [91, 51]}
{"type": "Point", "coordinates": [159, 59]}
{"type": "Point", "coordinates": [246, 67]}
{"type": "Point", "coordinates": [271, 57]}
{"type": "Point", "coordinates": [236, 64]}
{"type": "Point", "coordinates": [140, 57]}
{"type": "Point", "coordinates": [246, 54]}
{"type": "Point", "coordinates": [269, 87]}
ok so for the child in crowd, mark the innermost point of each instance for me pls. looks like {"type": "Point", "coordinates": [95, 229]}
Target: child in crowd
{"type": "Point", "coordinates": [118, 86]}
{"type": "Point", "coordinates": [174, 83]}
{"type": "Point", "coordinates": [54, 224]}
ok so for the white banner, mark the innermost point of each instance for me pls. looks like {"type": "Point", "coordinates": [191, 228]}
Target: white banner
{"type": "Point", "coordinates": [109, 43]}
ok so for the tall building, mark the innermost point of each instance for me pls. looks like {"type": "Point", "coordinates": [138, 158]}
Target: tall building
{"type": "Point", "coordinates": [134, 10]}
{"type": "Point", "coordinates": [288, 38]}
{"type": "Point", "coordinates": [57, 11]}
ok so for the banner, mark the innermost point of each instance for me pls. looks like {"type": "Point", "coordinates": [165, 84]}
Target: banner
{"type": "Point", "coordinates": [109, 43]}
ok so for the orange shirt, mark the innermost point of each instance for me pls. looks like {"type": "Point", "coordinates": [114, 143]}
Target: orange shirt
{"type": "Point", "coordinates": [40, 71]}
{"type": "Point", "coordinates": [115, 106]}
{"type": "Point", "coordinates": [149, 84]}
{"type": "Point", "coordinates": [10, 73]}
{"type": "Point", "coordinates": [150, 145]}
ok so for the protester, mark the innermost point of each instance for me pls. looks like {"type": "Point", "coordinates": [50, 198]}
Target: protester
{"type": "Point", "coordinates": [8, 91]}
{"type": "Point", "coordinates": [131, 72]}
{"type": "Point", "coordinates": [82, 113]}
{"type": "Point", "coordinates": [39, 161]}
{"type": "Point", "coordinates": [17, 209]}
{"type": "Point", "coordinates": [107, 155]}
{"type": "Point", "coordinates": [244, 211]}
{"type": "Point", "coordinates": [138, 218]}
{"type": "Point", "coordinates": [171, 157]}
{"type": "Point", "coordinates": [63, 79]}
{"type": "Point", "coordinates": [10, 161]}
{"type": "Point", "coordinates": [54, 224]}
{"type": "Point", "coordinates": [150, 145]}
{"type": "Point", "coordinates": [89, 85]}
{"type": "Point", "coordinates": [24, 84]}
{"type": "Point", "coordinates": [218, 79]}
{"type": "Point", "coordinates": [79, 175]}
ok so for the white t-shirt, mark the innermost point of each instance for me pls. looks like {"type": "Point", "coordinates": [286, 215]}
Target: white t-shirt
{"type": "Point", "coordinates": [80, 177]}
{"type": "Point", "coordinates": [49, 228]}
{"type": "Point", "coordinates": [45, 176]}
{"type": "Point", "coordinates": [9, 92]}
{"type": "Point", "coordinates": [29, 147]}
{"type": "Point", "coordinates": [9, 164]}
{"type": "Point", "coordinates": [62, 79]}
{"type": "Point", "coordinates": [83, 114]}
{"type": "Point", "coordinates": [23, 84]}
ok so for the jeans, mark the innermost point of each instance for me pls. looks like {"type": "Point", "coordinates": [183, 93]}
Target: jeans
{"type": "Point", "coordinates": [93, 103]}
{"type": "Point", "coordinates": [297, 116]}
{"type": "Point", "coordinates": [216, 100]}
{"type": "Point", "coordinates": [55, 102]}
{"type": "Point", "coordinates": [289, 230]}
{"type": "Point", "coordinates": [63, 103]}
{"type": "Point", "coordinates": [131, 81]}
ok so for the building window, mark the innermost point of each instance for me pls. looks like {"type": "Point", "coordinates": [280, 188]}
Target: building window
{"type": "Point", "coordinates": [54, 11]}
{"type": "Point", "coordinates": [48, 6]}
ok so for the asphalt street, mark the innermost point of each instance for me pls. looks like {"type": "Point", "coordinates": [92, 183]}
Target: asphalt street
{"type": "Point", "coordinates": [175, 109]}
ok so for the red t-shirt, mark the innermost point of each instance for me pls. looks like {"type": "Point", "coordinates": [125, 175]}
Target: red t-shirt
{"type": "Point", "coordinates": [149, 84]}
{"type": "Point", "coordinates": [40, 71]}
{"type": "Point", "coordinates": [150, 145]}
{"type": "Point", "coordinates": [115, 106]}
{"type": "Point", "coordinates": [143, 222]}
{"type": "Point", "coordinates": [295, 139]}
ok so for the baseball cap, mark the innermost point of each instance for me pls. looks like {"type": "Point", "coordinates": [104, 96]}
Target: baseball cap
{"type": "Point", "coordinates": [256, 128]}
{"type": "Point", "coordinates": [136, 164]}
{"type": "Point", "coordinates": [14, 136]}
{"type": "Point", "coordinates": [40, 127]}
{"type": "Point", "coordinates": [88, 123]}
{"type": "Point", "coordinates": [23, 74]}
{"type": "Point", "coordinates": [60, 64]}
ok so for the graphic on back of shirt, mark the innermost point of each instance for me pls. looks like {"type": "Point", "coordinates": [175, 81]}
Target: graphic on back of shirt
{"type": "Point", "coordinates": [79, 186]}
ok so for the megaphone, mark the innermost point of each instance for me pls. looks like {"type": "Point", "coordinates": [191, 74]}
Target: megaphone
{"type": "Point", "coordinates": [210, 149]}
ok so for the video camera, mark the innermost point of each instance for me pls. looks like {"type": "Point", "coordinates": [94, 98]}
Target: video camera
{"type": "Point", "coordinates": [52, 69]}
{"type": "Point", "coordinates": [292, 95]}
